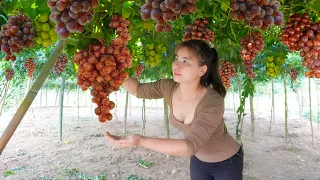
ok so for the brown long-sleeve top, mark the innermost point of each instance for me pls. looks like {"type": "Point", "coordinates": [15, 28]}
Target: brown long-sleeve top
{"type": "Point", "coordinates": [206, 136]}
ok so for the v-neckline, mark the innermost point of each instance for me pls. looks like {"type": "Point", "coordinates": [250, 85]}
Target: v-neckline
{"type": "Point", "coordinates": [171, 112]}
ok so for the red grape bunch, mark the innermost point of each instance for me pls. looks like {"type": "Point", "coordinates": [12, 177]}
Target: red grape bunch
{"type": "Point", "coordinates": [103, 67]}
{"type": "Point", "coordinates": [257, 13]}
{"type": "Point", "coordinates": [164, 11]}
{"type": "Point", "coordinates": [30, 66]}
{"type": "Point", "coordinates": [227, 71]}
{"type": "Point", "coordinates": [139, 70]}
{"type": "Point", "coordinates": [17, 34]}
{"type": "Point", "coordinates": [198, 30]}
{"type": "Point", "coordinates": [250, 47]}
{"type": "Point", "coordinates": [311, 49]}
{"type": "Point", "coordinates": [293, 30]}
{"type": "Point", "coordinates": [61, 64]}
{"type": "Point", "coordinates": [70, 16]}
{"type": "Point", "coordinates": [9, 73]}
{"type": "Point", "coordinates": [293, 74]}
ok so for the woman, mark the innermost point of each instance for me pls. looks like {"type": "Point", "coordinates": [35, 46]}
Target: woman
{"type": "Point", "coordinates": [196, 100]}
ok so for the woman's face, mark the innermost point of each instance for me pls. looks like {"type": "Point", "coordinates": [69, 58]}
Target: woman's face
{"type": "Point", "coordinates": [185, 67]}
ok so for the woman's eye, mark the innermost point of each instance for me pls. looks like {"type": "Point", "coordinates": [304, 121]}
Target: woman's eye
{"type": "Point", "coordinates": [185, 61]}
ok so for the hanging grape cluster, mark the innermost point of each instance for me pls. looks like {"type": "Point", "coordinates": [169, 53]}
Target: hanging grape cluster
{"type": "Point", "coordinates": [251, 45]}
{"type": "Point", "coordinates": [300, 33]}
{"type": "Point", "coordinates": [164, 11]}
{"type": "Point", "coordinates": [103, 67]}
{"type": "Point", "coordinates": [139, 70]}
{"type": "Point", "coordinates": [227, 71]}
{"type": "Point", "coordinates": [46, 34]}
{"type": "Point", "coordinates": [30, 66]}
{"type": "Point", "coordinates": [198, 30]}
{"type": "Point", "coordinates": [17, 34]}
{"type": "Point", "coordinates": [273, 66]}
{"type": "Point", "coordinates": [257, 13]}
{"type": "Point", "coordinates": [154, 53]}
{"type": "Point", "coordinates": [293, 30]}
{"type": "Point", "coordinates": [293, 74]}
{"type": "Point", "coordinates": [71, 16]}
{"type": "Point", "coordinates": [61, 64]}
{"type": "Point", "coordinates": [9, 73]}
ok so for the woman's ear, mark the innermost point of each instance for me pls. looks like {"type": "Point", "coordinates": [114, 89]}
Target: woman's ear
{"type": "Point", "coordinates": [203, 70]}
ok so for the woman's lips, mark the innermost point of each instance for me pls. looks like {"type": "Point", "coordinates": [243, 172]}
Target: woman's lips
{"type": "Point", "coordinates": [177, 74]}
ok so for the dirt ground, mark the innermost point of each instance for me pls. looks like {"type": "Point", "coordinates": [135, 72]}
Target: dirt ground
{"type": "Point", "coordinates": [35, 152]}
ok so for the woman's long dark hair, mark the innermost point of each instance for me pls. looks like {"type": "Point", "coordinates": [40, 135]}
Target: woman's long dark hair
{"type": "Point", "coordinates": [207, 56]}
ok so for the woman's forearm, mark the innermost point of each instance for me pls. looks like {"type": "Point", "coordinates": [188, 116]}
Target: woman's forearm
{"type": "Point", "coordinates": [176, 147]}
{"type": "Point", "coordinates": [131, 85]}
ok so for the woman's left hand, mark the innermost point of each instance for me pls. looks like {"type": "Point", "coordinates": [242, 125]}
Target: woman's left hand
{"type": "Point", "coordinates": [129, 141]}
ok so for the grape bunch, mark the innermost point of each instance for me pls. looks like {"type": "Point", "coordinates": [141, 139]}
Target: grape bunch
{"type": "Point", "coordinates": [273, 66]}
{"type": "Point", "coordinates": [139, 70]}
{"type": "Point", "coordinates": [164, 11]}
{"type": "Point", "coordinates": [70, 16]}
{"type": "Point", "coordinates": [257, 13]}
{"type": "Point", "coordinates": [312, 74]}
{"type": "Point", "coordinates": [198, 30]}
{"type": "Point", "coordinates": [227, 71]}
{"type": "Point", "coordinates": [103, 67]}
{"type": "Point", "coordinates": [30, 66]}
{"type": "Point", "coordinates": [61, 64]}
{"type": "Point", "coordinates": [294, 30]}
{"type": "Point", "coordinates": [311, 49]}
{"type": "Point", "coordinates": [45, 30]}
{"type": "Point", "coordinates": [251, 45]}
{"type": "Point", "coordinates": [9, 73]}
{"type": "Point", "coordinates": [293, 74]}
{"type": "Point", "coordinates": [154, 53]}
{"type": "Point", "coordinates": [300, 34]}
{"type": "Point", "coordinates": [17, 34]}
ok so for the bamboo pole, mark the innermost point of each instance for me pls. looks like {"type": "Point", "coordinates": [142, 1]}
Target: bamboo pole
{"type": "Point", "coordinates": [310, 112]}
{"type": "Point", "coordinates": [166, 118]}
{"type": "Point", "coordinates": [15, 121]}
{"type": "Point", "coordinates": [126, 113]}
{"type": "Point", "coordinates": [61, 105]}
{"type": "Point", "coordinates": [285, 108]}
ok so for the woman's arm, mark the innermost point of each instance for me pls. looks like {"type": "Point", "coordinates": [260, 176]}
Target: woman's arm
{"type": "Point", "coordinates": [176, 147]}
{"type": "Point", "coordinates": [131, 85]}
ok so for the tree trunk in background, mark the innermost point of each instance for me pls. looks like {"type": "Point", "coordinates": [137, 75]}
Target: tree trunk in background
{"type": "Point", "coordinates": [166, 118]}
{"type": "Point", "coordinates": [310, 106]}
{"type": "Point", "coordinates": [234, 105]}
{"type": "Point", "coordinates": [41, 97]}
{"type": "Point", "coordinates": [15, 121]}
{"type": "Point", "coordinates": [285, 109]}
{"type": "Point", "coordinates": [55, 102]}
{"type": "Point", "coordinates": [273, 107]}
{"type": "Point", "coordinates": [126, 113]}
{"type": "Point", "coordinates": [78, 101]}
{"type": "Point", "coordinates": [46, 97]}
{"type": "Point", "coordinates": [130, 99]}
{"type": "Point", "coordinates": [3, 99]}
{"type": "Point", "coordinates": [28, 86]}
{"type": "Point", "coordinates": [61, 105]}
{"type": "Point", "coordinates": [299, 104]}
{"type": "Point", "coordinates": [252, 117]}
{"type": "Point", "coordinates": [143, 116]}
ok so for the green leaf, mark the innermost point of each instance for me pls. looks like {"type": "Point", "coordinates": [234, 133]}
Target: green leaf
{"type": "Point", "coordinates": [30, 8]}
{"type": "Point", "coordinates": [126, 12]}
{"type": "Point", "coordinates": [224, 7]}
{"type": "Point", "coordinates": [72, 41]}
{"type": "Point", "coordinates": [9, 5]}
